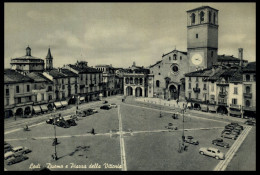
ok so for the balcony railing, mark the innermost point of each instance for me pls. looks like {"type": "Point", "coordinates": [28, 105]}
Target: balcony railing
{"type": "Point", "coordinates": [248, 95]}
{"type": "Point", "coordinates": [196, 90]}
{"type": "Point", "coordinates": [222, 94]}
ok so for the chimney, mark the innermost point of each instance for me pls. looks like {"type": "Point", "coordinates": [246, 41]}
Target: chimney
{"type": "Point", "coordinates": [240, 56]}
{"type": "Point", "coordinates": [134, 63]}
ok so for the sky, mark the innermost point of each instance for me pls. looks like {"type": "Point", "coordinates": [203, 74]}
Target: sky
{"type": "Point", "coordinates": [118, 33]}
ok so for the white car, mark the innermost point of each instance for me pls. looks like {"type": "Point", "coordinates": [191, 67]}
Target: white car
{"type": "Point", "coordinates": [212, 152]}
{"type": "Point", "coordinates": [113, 105]}
{"type": "Point", "coordinates": [17, 150]}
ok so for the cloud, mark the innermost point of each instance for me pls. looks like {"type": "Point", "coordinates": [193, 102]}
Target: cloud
{"type": "Point", "coordinates": [36, 15]}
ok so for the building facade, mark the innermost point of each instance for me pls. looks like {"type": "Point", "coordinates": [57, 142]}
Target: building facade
{"type": "Point", "coordinates": [168, 75]}
{"type": "Point", "coordinates": [90, 81]}
{"type": "Point", "coordinates": [138, 82]}
{"type": "Point", "coordinates": [18, 94]}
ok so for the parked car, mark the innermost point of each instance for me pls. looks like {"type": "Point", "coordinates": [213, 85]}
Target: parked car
{"type": "Point", "coordinates": [62, 123]}
{"type": "Point", "coordinates": [52, 120]}
{"type": "Point", "coordinates": [236, 125]}
{"type": "Point", "coordinates": [71, 122]}
{"type": "Point", "coordinates": [16, 151]}
{"type": "Point", "coordinates": [7, 147]}
{"type": "Point", "coordinates": [88, 112]}
{"type": "Point", "coordinates": [80, 113]}
{"type": "Point", "coordinates": [220, 142]}
{"type": "Point", "coordinates": [106, 107]}
{"type": "Point", "coordinates": [212, 152]}
{"type": "Point", "coordinates": [113, 105]}
{"type": "Point", "coordinates": [226, 130]}
{"type": "Point", "coordinates": [250, 122]}
{"type": "Point", "coordinates": [16, 158]}
{"type": "Point", "coordinates": [190, 140]}
{"type": "Point", "coordinates": [231, 127]}
{"type": "Point", "coordinates": [229, 135]}
{"type": "Point", "coordinates": [239, 127]}
{"type": "Point", "coordinates": [94, 110]}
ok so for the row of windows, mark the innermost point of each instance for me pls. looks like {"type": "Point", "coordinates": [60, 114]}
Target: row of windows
{"type": "Point", "coordinates": [248, 77]}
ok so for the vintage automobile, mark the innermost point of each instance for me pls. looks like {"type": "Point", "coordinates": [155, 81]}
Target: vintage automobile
{"type": "Point", "coordinates": [7, 147]}
{"type": "Point", "coordinates": [106, 107]}
{"type": "Point", "coordinates": [16, 158]}
{"type": "Point", "coordinates": [80, 113]}
{"type": "Point", "coordinates": [190, 140]}
{"type": "Point", "coordinates": [62, 123]}
{"type": "Point", "coordinates": [94, 110]}
{"type": "Point", "coordinates": [212, 152]}
{"type": "Point", "coordinates": [220, 142]}
{"type": "Point", "coordinates": [229, 135]}
{"type": "Point", "coordinates": [250, 122]}
{"type": "Point", "coordinates": [88, 112]}
{"type": "Point", "coordinates": [71, 122]}
{"type": "Point", "coordinates": [16, 151]}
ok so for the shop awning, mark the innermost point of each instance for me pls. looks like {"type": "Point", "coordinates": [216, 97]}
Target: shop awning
{"type": "Point", "coordinates": [64, 103]}
{"type": "Point", "coordinates": [212, 108]}
{"type": "Point", "coordinates": [58, 104]}
{"type": "Point", "coordinates": [82, 98]}
{"type": "Point", "coordinates": [44, 108]}
{"type": "Point", "coordinates": [37, 109]}
{"type": "Point", "coordinates": [235, 112]}
{"type": "Point", "coordinates": [204, 107]}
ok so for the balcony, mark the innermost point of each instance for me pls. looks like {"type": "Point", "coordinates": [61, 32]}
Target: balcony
{"type": "Point", "coordinates": [222, 94]}
{"type": "Point", "coordinates": [222, 103]}
{"type": "Point", "coordinates": [196, 90]}
{"type": "Point", "coordinates": [248, 95]}
{"type": "Point", "coordinates": [23, 94]}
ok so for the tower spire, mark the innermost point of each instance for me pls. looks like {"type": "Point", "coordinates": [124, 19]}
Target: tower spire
{"type": "Point", "coordinates": [49, 62]}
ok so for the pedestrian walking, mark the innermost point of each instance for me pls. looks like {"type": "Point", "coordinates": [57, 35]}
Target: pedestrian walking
{"type": "Point", "coordinates": [93, 131]}
{"type": "Point", "coordinates": [177, 101]}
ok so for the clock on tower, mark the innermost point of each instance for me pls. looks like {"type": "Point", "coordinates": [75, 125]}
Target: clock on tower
{"type": "Point", "coordinates": [202, 37]}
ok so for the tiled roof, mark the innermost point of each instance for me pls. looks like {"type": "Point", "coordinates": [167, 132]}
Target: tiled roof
{"type": "Point", "coordinates": [38, 77]}
{"type": "Point", "coordinates": [11, 76]}
{"type": "Point", "coordinates": [200, 73]}
{"type": "Point", "coordinates": [84, 69]}
{"type": "Point", "coordinates": [202, 7]}
{"type": "Point", "coordinates": [27, 57]}
{"type": "Point", "coordinates": [68, 73]}
{"type": "Point", "coordinates": [237, 76]}
{"type": "Point", "coordinates": [55, 73]}
{"type": "Point", "coordinates": [250, 67]}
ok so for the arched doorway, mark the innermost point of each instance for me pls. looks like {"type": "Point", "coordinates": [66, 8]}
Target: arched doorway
{"type": "Point", "coordinates": [222, 110]}
{"type": "Point", "coordinates": [129, 91]}
{"type": "Point", "coordinates": [138, 92]}
{"type": "Point", "coordinates": [19, 112]}
{"type": "Point", "coordinates": [8, 113]}
{"type": "Point", "coordinates": [27, 111]}
{"type": "Point", "coordinates": [173, 92]}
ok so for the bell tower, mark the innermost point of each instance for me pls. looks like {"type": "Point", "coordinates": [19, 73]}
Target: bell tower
{"type": "Point", "coordinates": [202, 37]}
{"type": "Point", "coordinates": [49, 60]}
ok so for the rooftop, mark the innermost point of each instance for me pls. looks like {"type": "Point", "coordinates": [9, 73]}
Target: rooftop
{"type": "Point", "coordinates": [12, 76]}
{"type": "Point", "coordinates": [202, 7]}
{"type": "Point", "coordinates": [84, 69]}
{"type": "Point", "coordinates": [68, 73]}
{"type": "Point", "coordinates": [250, 67]}
{"type": "Point", "coordinates": [55, 73]}
{"type": "Point", "coordinates": [38, 77]}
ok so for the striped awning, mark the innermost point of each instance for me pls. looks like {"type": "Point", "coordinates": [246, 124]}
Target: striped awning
{"type": "Point", "coordinates": [37, 109]}
{"type": "Point", "coordinates": [235, 112]}
{"type": "Point", "coordinates": [44, 108]}
{"type": "Point", "coordinates": [64, 103]}
{"type": "Point", "coordinates": [212, 108]}
{"type": "Point", "coordinates": [58, 104]}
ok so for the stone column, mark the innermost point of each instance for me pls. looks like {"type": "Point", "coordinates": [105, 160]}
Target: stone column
{"type": "Point", "coordinates": [143, 92]}
{"type": "Point", "coordinates": [133, 91]}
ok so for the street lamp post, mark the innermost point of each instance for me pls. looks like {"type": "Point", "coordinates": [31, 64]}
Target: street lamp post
{"type": "Point", "coordinates": [55, 139]}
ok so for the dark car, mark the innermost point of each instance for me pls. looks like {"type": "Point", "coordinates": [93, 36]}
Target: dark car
{"type": "Point", "coordinates": [236, 125]}
{"type": "Point", "coordinates": [52, 120]}
{"type": "Point", "coordinates": [106, 107]}
{"type": "Point", "coordinates": [231, 127]}
{"type": "Point", "coordinates": [88, 112]}
{"type": "Point", "coordinates": [190, 140]}
{"type": "Point", "coordinates": [71, 122]}
{"type": "Point", "coordinates": [16, 158]}
{"type": "Point", "coordinates": [250, 122]}
{"type": "Point", "coordinates": [220, 142]}
{"type": "Point", "coordinates": [7, 147]}
{"type": "Point", "coordinates": [229, 135]}
{"type": "Point", "coordinates": [62, 123]}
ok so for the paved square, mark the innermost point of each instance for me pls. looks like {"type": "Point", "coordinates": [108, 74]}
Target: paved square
{"type": "Point", "coordinates": [130, 137]}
